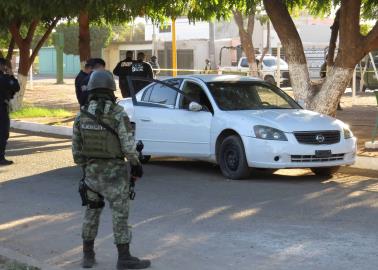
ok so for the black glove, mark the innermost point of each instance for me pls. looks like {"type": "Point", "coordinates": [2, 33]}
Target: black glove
{"type": "Point", "coordinates": [136, 170]}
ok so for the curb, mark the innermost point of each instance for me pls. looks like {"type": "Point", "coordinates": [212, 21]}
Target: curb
{"type": "Point", "coordinates": [369, 163]}
{"type": "Point", "coordinates": [29, 126]}
{"type": "Point", "coordinates": [18, 257]}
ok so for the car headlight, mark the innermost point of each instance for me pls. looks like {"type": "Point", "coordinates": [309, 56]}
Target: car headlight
{"type": "Point", "coordinates": [268, 133]}
{"type": "Point", "coordinates": [347, 133]}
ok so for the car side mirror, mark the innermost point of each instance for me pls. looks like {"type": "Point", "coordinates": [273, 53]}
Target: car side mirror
{"type": "Point", "coordinates": [194, 107]}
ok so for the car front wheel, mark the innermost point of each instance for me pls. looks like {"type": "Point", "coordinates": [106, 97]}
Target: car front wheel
{"type": "Point", "coordinates": [325, 171]}
{"type": "Point", "coordinates": [232, 160]}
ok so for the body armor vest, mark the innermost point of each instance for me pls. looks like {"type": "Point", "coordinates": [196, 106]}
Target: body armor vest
{"type": "Point", "coordinates": [98, 142]}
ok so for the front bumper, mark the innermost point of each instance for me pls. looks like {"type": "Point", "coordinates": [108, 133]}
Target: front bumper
{"type": "Point", "coordinates": [291, 154]}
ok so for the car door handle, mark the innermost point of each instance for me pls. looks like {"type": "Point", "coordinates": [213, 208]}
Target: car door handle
{"type": "Point", "coordinates": [145, 119]}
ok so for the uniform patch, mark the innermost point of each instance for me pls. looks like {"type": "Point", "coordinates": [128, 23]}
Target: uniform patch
{"type": "Point", "coordinates": [137, 67]}
{"type": "Point", "coordinates": [91, 126]}
{"type": "Point", "coordinates": [126, 64]}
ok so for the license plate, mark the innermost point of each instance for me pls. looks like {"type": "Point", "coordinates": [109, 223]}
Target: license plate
{"type": "Point", "coordinates": [323, 153]}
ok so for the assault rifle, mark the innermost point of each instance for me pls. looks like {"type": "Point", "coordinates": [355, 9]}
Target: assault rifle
{"type": "Point", "coordinates": [139, 148]}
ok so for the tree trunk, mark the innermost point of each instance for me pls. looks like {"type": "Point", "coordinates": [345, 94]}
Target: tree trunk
{"type": "Point", "coordinates": [26, 60]}
{"type": "Point", "coordinates": [12, 43]}
{"type": "Point", "coordinates": [16, 102]}
{"type": "Point", "coordinates": [353, 46]}
{"type": "Point", "coordinates": [291, 42]}
{"type": "Point", "coordinates": [266, 49]}
{"type": "Point", "coordinates": [23, 70]}
{"type": "Point", "coordinates": [246, 39]}
{"type": "Point", "coordinates": [332, 42]}
{"type": "Point", "coordinates": [84, 37]}
{"type": "Point", "coordinates": [327, 98]}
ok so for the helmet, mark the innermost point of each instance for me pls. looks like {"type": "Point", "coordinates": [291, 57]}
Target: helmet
{"type": "Point", "coordinates": [101, 79]}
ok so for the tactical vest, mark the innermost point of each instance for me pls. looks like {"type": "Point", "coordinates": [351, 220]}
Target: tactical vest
{"type": "Point", "coordinates": [98, 142]}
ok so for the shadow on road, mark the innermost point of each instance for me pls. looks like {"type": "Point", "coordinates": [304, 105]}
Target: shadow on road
{"type": "Point", "coordinates": [186, 209]}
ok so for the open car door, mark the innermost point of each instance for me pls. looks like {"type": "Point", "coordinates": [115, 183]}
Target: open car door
{"type": "Point", "coordinates": [164, 127]}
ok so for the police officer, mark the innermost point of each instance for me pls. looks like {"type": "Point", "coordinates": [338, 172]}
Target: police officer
{"type": "Point", "coordinates": [8, 87]}
{"type": "Point", "coordinates": [79, 79]}
{"type": "Point", "coordinates": [82, 89]}
{"type": "Point", "coordinates": [102, 138]}
{"type": "Point", "coordinates": [140, 68]}
{"type": "Point", "coordinates": [122, 70]}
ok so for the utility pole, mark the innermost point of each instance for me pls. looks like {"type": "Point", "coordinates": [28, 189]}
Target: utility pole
{"type": "Point", "coordinates": [212, 45]}
{"type": "Point", "coordinates": [59, 45]}
{"type": "Point", "coordinates": [154, 44]}
{"type": "Point", "coordinates": [174, 51]}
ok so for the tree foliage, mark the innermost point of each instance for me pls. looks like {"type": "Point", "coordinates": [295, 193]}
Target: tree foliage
{"type": "Point", "coordinates": [100, 37]}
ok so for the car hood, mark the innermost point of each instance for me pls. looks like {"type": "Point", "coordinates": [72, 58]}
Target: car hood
{"type": "Point", "coordinates": [290, 120]}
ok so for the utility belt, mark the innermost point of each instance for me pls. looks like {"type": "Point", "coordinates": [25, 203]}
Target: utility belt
{"type": "Point", "coordinates": [85, 201]}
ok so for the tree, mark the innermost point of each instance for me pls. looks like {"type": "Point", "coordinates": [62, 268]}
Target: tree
{"type": "Point", "coordinates": [22, 18]}
{"type": "Point", "coordinates": [100, 34]}
{"type": "Point", "coordinates": [353, 46]}
{"type": "Point", "coordinates": [110, 11]}
{"type": "Point", "coordinates": [246, 37]}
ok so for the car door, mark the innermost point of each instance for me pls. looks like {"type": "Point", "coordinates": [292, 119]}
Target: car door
{"type": "Point", "coordinates": [194, 126]}
{"type": "Point", "coordinates": [154, 118]}
{"type": "Point", "coordinates": [166, 129]}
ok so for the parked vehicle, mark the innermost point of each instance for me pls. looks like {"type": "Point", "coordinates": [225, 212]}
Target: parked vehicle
{"type": "Point", "coordinates": [239, 123]}
{"type": "Point", "coordinates": [370, 78]}
{"type": "Point", "coordinates": [268, 69]}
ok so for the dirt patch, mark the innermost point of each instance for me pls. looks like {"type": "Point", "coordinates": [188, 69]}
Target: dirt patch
{"type": "Point", "coordinates": [360, 114]}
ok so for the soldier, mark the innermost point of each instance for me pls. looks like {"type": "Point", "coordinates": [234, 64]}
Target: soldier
{"type": "Point", "coordinates": [122, 70]}
{"type": "Point", "coordinates": [102, 138]}
{"type": "Point", "coordinates": [8, 87]}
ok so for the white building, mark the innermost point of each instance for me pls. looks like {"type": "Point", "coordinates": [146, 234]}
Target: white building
{"type": "Point", "coordinates": [193, 43]}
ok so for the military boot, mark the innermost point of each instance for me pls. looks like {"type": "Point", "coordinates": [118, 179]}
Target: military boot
{"type": "Point", "coordinates": [88, 254]}
{"type": "Point", "coordinates": [126, 261]}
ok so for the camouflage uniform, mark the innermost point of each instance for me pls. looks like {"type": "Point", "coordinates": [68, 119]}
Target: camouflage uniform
{"type": "Point", "coordinates": [109, 177]}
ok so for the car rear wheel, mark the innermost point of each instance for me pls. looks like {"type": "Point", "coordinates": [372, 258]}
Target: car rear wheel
{"type": "Point", "coordinates": [232, 160]}
{"type": "Point", "coordinates": [144, 159]}
{"type": "Point", "coordinates": [325, 171]}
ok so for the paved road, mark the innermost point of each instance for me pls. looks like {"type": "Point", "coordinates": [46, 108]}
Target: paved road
{"type": "Point", "coordinates": [187, 216]}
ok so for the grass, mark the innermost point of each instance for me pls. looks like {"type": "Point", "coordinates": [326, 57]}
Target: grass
{"type": "Point", "coordinates": [32, 112]}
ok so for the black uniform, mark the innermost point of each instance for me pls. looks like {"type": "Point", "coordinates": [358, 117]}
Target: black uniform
{"type": "Point", "coordinates": [84, 91]}
{"type": "Point", "coordinates": [8, 87]}
{"type": "Point", "coordinates": [80, 81]}
{"type": "Point", "coordinates": [141, 69]}
{"type": "Point", "coordinates": [122, 70]}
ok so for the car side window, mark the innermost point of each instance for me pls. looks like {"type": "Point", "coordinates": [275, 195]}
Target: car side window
{"type": "Point", "coordinates": [196, 93]}
{"type": "Point", "coordinates": [147, 93]}
{"type": "Point", "coordinates": [160, 94]}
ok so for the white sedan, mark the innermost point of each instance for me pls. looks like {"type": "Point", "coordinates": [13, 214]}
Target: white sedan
{"type": "Point", "coordinates": [239, 123]}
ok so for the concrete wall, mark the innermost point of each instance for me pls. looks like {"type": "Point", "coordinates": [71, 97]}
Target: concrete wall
{"type": "Point", "coordinates": [47, 62]}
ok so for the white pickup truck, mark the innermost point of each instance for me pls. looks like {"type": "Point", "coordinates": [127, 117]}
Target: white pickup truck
{"type": "Point", "coordinates": [269, 69]}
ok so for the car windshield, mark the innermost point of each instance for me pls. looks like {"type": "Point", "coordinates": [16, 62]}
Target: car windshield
{"type": "Point", "coordinates": [273, 62]}
{"type": "Point", "coordinates": [232, 96]}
